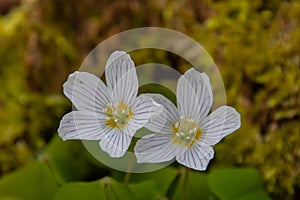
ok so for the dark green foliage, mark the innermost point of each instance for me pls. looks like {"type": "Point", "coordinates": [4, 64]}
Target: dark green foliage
{"type": "Point", "coordinates": [34, 182]}
{"type": "Point", "coordinates": [37, 181]}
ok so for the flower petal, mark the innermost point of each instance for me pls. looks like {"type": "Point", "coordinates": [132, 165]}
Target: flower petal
{"type": "Point", "coordinates": [116, 143]}
{"type": "Point", "coordinates": [143, 109]}
{"type": "Point", "coordinates": [194, 95]}
{"type": "Point", "coordinates": [164, 122]}
{"type": "Point", "coordinates": [121, 77]}
{"type": "Point", "coordinates": [86, 91]}
{"type": "Point", "coordinates": [219, 124]}
{"type": "Point", "coordinates": [81, 125]}
{"type": "Point", "coordinates": [155, 148]}
{"type": "Point", "coordinates": [196, 157]}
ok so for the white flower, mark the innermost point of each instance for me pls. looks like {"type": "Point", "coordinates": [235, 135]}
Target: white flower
{"type": "Point", "coordinates": [110, 114]}
{"type": "Point", "coordinates": [187, 132]}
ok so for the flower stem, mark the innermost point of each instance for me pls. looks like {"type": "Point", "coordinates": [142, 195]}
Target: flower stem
{"type": "Point", "coordinates": [127, 177]}
{"type": "Point", "coordinates": [130, 163]}
{"type": "Point", "coordinates": [129, 168]}
{"type": "Point", "coordinates": [185, 182]}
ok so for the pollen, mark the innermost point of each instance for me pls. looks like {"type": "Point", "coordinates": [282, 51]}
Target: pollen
{"type": "Point", "coordinates": [186, 132]}
{"type": "Point", "coordinates": [118, 115]}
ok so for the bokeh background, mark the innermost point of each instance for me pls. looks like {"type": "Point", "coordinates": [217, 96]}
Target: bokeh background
{"type": "Point", "coordinates": [255, 45]}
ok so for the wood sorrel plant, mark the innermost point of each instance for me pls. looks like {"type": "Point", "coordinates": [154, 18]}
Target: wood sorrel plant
{"type": "Point", "coordinates": [187, 132]}
{"type": "Point", "coordinates": [110, 114]}
{"type": "Point", "coordinates": [113, 113]}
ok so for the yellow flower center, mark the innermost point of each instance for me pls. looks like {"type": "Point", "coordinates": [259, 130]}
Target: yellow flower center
{"type": "Point", "coordinates": [118, 115]}
{"type": "Point", "coordinates": [186, 132]}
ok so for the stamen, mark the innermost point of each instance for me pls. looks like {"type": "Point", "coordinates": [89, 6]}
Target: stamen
{"type": "Point", "coordinates": [118, 115]}
{"type": "Point", "coordinates": [186, 132]}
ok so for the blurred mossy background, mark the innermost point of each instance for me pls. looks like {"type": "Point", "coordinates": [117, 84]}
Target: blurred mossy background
{"type": "Point", "coordinates": [256, 45]}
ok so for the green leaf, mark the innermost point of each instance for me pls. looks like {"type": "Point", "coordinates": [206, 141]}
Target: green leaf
{"type": "Point", "coordinates": [259, 194]}
{"type": "Point", "coordinates": [162, 178]}
{"type": "Point", "coordinates": [196, 186]}
{"type": "Point", "coordinates": [144, 190]}
{"type": "Point", "coordinates": [81, 190]}
{"type": "Point", "coordinates": [34, 182]}
{"type": "Point", "coordinates": [106, 188]}
{"type": "Point", "coordinates": [234, 183]}
{"type": "Point", "coordinates": [114, 190]}
{"type": "Point", "coordinates": [67, 159]}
